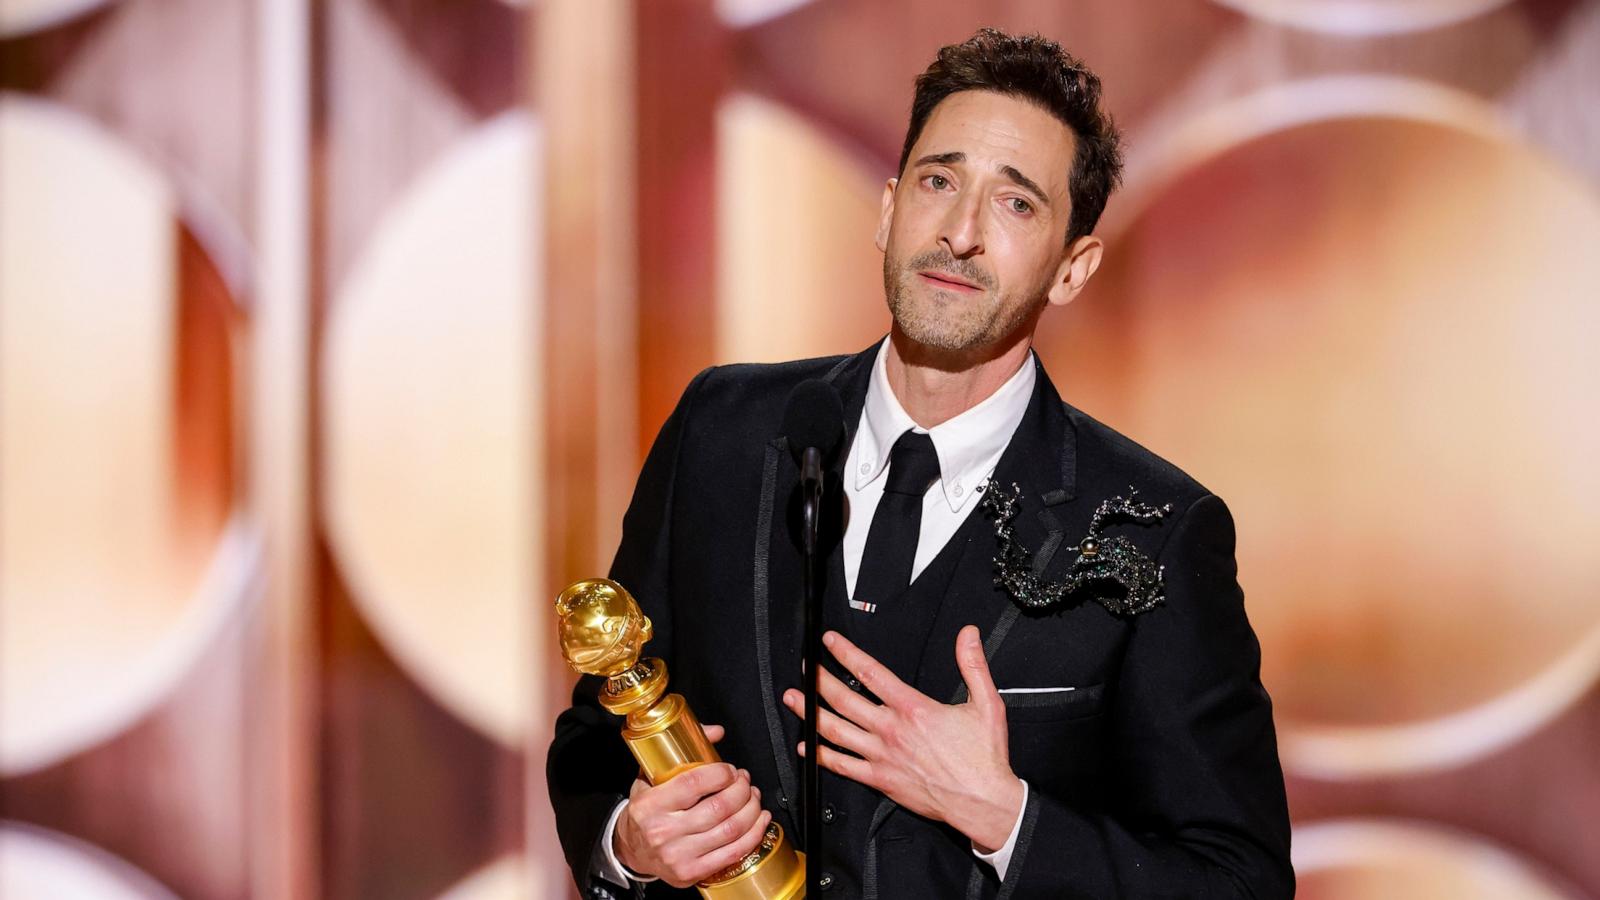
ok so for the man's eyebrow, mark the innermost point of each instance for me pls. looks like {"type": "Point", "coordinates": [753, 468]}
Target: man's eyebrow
{"type": "Point", "coordinates": [1025, 183]}
{"type": "Point", "coordinates": [1011, 172]}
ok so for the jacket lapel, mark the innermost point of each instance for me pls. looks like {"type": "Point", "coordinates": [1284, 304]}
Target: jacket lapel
{"type": "Point", "coordinates": [1041, 462]}
{"type": "Point", "coordinates": [777, 591]}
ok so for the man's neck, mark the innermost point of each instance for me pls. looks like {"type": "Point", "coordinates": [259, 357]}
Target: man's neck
{"type": "Point", "coordinates": [934, 386]}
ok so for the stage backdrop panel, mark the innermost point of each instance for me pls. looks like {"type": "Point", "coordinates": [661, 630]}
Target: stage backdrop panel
{"type": "Point", "coordinates": [332, 336]}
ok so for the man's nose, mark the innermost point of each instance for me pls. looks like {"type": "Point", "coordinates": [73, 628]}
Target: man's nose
{"type": "Point", "coordinates": [962, 230]}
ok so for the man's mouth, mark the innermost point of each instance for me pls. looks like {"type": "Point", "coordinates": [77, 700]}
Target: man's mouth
{"type": "Point", "coordinates": [947, 281]}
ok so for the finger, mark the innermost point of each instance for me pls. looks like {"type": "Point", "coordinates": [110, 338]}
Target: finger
{"type": "Point", "coordinates": [683, 791]}
{"type": "Point", "coordinates": [858, 770]}
{"type": "Point", "coordinates": [975, 670]}
{"type": "Point", "coordinates": [837, 728]}
{"type": "Point", "coordinates": [845, 734]}
{"type": "Point", "coordinates": [726, 829]}
{"type": "Point", "coordinates": [875, 675]}
{"type": "Point", "coordinates": [847, 703]}
{"type": "Point", "coordinates": [714, 733]}
{"type": "Point", "coordinates": [723, 857]}
{"type": "Point", "coordinates": [706, 814]}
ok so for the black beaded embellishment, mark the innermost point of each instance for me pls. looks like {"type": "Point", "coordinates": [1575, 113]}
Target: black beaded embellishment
{"type": "Point", "coordinates": [1123, 579]}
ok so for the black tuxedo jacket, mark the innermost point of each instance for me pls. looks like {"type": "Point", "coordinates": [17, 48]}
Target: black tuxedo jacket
{"type": "Point", "coordinates": [1157, 776]}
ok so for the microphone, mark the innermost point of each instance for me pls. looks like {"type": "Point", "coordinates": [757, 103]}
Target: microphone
{"type": "Point", "coordinates": [814, 425]}
{"type": "Point", "coordinates": [814, 418]}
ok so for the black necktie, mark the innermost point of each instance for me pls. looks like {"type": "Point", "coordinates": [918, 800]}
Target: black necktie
{"type": "Point", "coordinates": [892, 540]}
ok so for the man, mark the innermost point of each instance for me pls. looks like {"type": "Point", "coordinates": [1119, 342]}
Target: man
{"type": "Point", "coordinates": [986, 737]}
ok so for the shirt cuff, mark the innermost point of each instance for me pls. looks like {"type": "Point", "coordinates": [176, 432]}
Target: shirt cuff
{"type": "Point", "coordinates": [1000, 859]}
{"type": "Point", "coordinates": [607, 866]}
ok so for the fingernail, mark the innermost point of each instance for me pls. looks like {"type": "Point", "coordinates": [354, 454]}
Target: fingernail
{"type": "Point", "coordinates": [828, 639]}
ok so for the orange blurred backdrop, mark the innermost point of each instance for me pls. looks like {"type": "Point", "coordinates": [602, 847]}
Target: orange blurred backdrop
{"type": "Point", "coordinates": [332, 335]}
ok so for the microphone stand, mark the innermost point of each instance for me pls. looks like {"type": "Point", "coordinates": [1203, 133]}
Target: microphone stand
{"type": "Point", "coordinates": [811, 517]}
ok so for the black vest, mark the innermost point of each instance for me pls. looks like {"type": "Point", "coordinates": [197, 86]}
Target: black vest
{"type": "Point", "coordinates": [897, 636]}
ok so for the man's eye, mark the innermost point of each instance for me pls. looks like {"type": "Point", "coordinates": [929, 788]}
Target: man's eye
{"type": "Point", "coordinates": [1020, 205]}
{"type": "Point", "coordinates": [938, 182]}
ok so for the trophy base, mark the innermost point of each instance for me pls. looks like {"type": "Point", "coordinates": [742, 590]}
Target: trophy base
{"type": "Point", "coordinates": [773, 871]}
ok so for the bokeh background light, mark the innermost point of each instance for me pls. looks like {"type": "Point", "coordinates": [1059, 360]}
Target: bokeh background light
{"type": "Point", "coordinates": [332, 337]}
{"type": "Point", "coordinates": [1385, 356]}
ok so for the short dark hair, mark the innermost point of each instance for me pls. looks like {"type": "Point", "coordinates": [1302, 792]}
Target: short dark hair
{"type": "Point", "coordinates": [1031, 67]}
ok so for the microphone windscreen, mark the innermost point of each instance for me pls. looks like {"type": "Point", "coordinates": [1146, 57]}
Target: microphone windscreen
{"type": "Point", "coordinates": [814, 417]}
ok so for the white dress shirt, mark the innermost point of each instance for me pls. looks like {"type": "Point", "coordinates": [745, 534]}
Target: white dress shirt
{"type": "Point", "coordinates": [969, 447]}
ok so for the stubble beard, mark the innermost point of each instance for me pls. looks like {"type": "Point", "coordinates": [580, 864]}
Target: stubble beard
{"type": "Point", "coordinates": [957, 325]}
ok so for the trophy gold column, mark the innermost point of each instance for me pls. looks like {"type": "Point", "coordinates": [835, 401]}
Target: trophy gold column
{"type": "Point", "coordinates": [602, 631]}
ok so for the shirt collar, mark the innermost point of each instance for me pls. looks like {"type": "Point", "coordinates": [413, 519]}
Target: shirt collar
{"type": "Point", "coordinates": [969, 445]}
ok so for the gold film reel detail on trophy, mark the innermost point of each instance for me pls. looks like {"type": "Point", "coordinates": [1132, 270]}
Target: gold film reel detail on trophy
{"type": "Point", "coordinates": [602, 632]}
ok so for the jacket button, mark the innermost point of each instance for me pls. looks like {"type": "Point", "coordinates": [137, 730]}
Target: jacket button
{"type": "Point", "coordinates": [828, 815]}
{"type": "Point", "coordinates": [825, 882]}
{"type": "Point", "coordinates": [853, 684]}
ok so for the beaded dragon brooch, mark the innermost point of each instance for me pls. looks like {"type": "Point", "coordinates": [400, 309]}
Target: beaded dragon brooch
{"type": "Point", "coordinates": [1129, 581]}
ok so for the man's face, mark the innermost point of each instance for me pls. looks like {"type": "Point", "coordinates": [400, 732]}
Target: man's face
{"type": "Point", "coordinates": [974, 230]}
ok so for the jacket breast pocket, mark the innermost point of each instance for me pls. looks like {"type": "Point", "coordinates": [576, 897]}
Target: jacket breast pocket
{"type": "Point", "coordinates": [1050, 705]}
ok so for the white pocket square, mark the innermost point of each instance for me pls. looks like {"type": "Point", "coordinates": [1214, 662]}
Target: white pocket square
{"type": "Point", "coordinates": [1043, 690]}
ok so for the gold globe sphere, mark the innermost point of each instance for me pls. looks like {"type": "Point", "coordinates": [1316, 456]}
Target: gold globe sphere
{"type": "Point", "coordinates": [600, 627]}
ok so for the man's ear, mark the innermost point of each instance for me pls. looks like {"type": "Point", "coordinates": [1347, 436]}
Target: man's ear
{"type": "Point", "coordinates": [886, 214]}
{"type": "Point", "coordinates": [1082, 258]}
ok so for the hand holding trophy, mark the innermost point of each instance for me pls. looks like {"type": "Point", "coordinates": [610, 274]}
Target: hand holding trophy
{"type": "Point", "coordinates": [602, 631]}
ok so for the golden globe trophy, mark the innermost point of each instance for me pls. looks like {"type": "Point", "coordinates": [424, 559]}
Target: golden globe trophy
{"type": "Point", "coordinates": [601, 630]}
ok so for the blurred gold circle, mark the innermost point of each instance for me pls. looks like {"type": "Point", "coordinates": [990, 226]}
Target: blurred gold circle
{"type": "Point", "coordinates": [1375, 859]}
{"type": "Point", "coordinates": [749, 13]}
{"type": "Point", "coordinates": [510, 877]}
{"type": "Point", "coordinates": [22, 17]}
{"type": "Point", "coordinates": [432, 439]}
{"type": "Point", "coordinates": [122, 555]}
{"type": "Point", "coordinates": [36, 863]}
{"type": "Point", "coordinates": [1364, 17]}
{"type": "Point", "coordinates": [787, 289]}
{"type": "Point", "coordinates": [1363, 314]}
